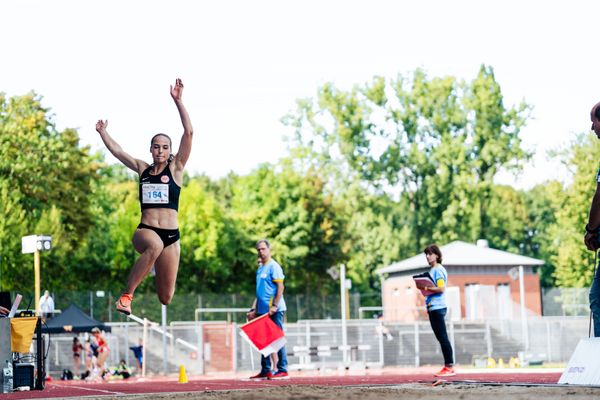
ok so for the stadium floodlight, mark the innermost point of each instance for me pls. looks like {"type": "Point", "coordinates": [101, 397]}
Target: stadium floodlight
{"type": "Point", "coordinates": [34, 244]}
{"type": "Point", "coordinates": [334, 272]}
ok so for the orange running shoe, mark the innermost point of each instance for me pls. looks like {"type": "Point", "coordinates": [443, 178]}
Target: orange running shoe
{"type": "Point", "coordinates": [446, 371]}
{"type": "Point", "coordinates": [124, 303]}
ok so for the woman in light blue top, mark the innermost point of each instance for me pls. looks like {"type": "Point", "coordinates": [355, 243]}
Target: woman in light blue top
{"type": "Point", "coordinates": [436, 306]}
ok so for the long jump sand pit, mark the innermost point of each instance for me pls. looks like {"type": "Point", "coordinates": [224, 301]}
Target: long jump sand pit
{"type": "Point", "coordinates": [381, 385]}
{"type": "Point", "coordinates": [400, 392]}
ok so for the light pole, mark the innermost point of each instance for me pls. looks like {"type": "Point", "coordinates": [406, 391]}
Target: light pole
{"type": "Point", "coordinates": [518, 273]}
{"type": "Point", "coordinates": [343, 312]}
{"type": "Point", "coordinates": [345, 285]}
{"type": "Point", "coordinates": [34, 244]}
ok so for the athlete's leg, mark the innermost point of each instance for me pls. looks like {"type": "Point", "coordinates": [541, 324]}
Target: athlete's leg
{"type": "Point", "coordinates": [149, 245]}
{"type": "Point", "coordinates": [166, 267]}
{"type": "Point", "coordinates": [594, 298]}
{"type": "Point", "coordinates": [101, 361]}
{"type": "Point", "coordinates": [438, 325]}
{"type": "Point", "coordinates": [282, 361]}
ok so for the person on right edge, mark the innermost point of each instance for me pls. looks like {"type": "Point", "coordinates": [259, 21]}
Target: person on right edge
{"type": "Point", "coordinates": [436, 306]}
{"type": "Point", "coordinates": [592, 230]}
{"type": "Point", "coordinates": [269, 299]}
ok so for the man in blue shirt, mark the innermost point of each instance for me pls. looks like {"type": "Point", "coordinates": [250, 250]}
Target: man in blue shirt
{"type": "Point", "coordinates": [269, 299]}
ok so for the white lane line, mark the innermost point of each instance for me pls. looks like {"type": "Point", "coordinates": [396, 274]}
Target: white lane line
{"type": "Point", "coordinates": [89, 389]}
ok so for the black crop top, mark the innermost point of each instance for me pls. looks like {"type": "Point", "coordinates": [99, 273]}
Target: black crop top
{"type": "Point", "coordinates": [159, 191]}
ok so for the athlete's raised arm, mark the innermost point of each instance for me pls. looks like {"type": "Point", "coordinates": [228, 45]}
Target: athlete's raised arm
{"type": "Point", "coordinates": [185, 146]}
{"type": "Point", "coordinates": [117, 151]}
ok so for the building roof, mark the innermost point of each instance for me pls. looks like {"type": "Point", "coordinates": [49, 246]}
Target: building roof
{"type": "Point", "coordinates": [464, 254]}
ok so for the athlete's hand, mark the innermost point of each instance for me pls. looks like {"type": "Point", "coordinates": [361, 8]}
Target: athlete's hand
{"type": "Point", "coordinates": [177, 91]}
{"type": "Point", "coordinates": [591, 241]}
{"type": "Point", "coordinates": [101, 126]}
{"type": "Point", "coordinates": [272, 310]}
{"type": "Point", "coordinates": [250, 315]}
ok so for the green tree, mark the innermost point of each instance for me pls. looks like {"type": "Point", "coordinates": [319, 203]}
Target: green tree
{"type": "Point", "coordinates": [493, 136]}
{"type": "Point", "coordinates": [439, 142]}
{"type": "Point", "coordinates": [543, 202]}
{"type": "Point", "coordinates": [49, 173]}
{"type": "Point", "coordinates": [12, 228]}
{"type": "Point", "coordinates": [300, 218]}
{"type": "Point", "coordinates": [574, 263]}
{"type": "Point", "coordinates": [377, 234]}
{"type": "Point", "coordinates": [507, 218]}
{"type": "Point", "coordinates": [214, 256]}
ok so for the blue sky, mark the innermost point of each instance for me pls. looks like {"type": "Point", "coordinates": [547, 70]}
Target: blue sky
{"type": "Point", "coordinates": [245, 63]}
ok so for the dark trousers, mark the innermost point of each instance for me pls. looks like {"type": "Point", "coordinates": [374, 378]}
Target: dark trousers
{"type": "Point", "coordinates": [595, 301]}
{"type": "Point", "coordinates": [265, 362]}
{"type": "Point", "coordinates": [438, 324]}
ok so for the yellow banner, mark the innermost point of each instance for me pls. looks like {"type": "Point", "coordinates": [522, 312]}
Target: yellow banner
{"type": "Point", "coordinates": [21, 333]}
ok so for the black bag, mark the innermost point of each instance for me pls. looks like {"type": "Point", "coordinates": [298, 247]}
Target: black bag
{"type": "Point", "coordinates": [67, 375]}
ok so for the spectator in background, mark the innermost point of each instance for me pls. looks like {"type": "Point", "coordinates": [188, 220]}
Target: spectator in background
{"type": "Point", "coordinates": [77, 350]}
{"type": "Point", "coordinates": [122, 370]}
{"type": "Point", "coordinates": [381, 329]}
{"type": "Point", "coordinates": [102, 350]}
{"type": "Point", "coordinates": [91, 349]}
{"type": "Point", "coordinates": [138, 352]}
{"type": "Point", "coordinates": [46, 305]}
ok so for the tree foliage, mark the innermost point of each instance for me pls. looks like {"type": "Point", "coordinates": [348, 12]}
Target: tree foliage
{"type": "Point", "coordinates": [439, 141]}
{"type": "Point", "coordinates": [574, 263]}
{"type": "Point", "coordinates": [49, 177]}
{"type": "Point", "coordinates": [375, 173]}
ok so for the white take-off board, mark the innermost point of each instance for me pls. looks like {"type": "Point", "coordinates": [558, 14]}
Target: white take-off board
{"type": "Point", "coordinates": [584, 365]}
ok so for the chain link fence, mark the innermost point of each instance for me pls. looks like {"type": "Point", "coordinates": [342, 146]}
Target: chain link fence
{"type": "Point", "coordinates": [218, 347]}
{"type": "Point", "coordinates": [213, 343]}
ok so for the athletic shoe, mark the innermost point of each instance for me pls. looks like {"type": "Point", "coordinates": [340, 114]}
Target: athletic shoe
{"type": "Point", "coordinates": [262, 377]}
{"type": "Point", "coordinates": [280, 375]}
{"type": "Point", "coordinates": [446, 371]}
{"type": "Point", "coordinates": [124, 304]}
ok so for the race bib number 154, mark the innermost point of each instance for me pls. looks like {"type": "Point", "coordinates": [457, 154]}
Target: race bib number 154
{"type": "Point", "coordinates": [155, 193]}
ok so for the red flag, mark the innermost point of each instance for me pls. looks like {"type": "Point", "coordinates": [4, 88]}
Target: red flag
{"type": "Point", "coordinates": [264, 335]}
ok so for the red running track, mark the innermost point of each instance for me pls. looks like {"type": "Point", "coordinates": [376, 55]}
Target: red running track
{"type": "Point", "coordinates": [166, 385]}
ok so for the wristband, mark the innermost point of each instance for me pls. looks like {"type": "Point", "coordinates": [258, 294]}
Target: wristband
{"type": "Point", "coordinates": [251, 310]}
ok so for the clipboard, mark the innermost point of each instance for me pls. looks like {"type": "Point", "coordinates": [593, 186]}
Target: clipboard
{"type": "Point", "coordinates": [424, 279]}
{"type": "Point", "coordinates": [15, 306]}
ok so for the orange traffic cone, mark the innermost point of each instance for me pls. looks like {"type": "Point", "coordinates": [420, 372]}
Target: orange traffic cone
{"type": "Point", "coordinates": [182, 374]}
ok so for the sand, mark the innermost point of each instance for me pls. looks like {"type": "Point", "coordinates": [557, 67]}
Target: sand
{"type": "Point", "coordinates": [403, 392]}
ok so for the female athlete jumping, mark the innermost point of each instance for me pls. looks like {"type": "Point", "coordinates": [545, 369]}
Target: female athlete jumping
{"type": "Point", "coordinates": [157, 236]}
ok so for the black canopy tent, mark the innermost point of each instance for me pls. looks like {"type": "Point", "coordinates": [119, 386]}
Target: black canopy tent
{"type": "Point", "coordinates": [73, 320]}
